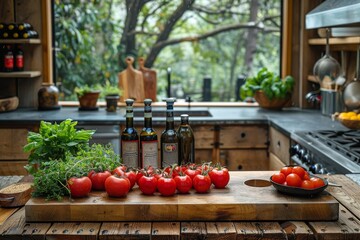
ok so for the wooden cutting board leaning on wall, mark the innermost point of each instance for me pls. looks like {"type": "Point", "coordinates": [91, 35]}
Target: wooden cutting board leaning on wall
{"type": "Point", "coordinates": [150, 79]}
{"type": "Point", "coordinates": [131, 82]}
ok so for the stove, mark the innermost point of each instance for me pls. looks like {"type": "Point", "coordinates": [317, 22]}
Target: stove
{"type": "Point", "coordinates": [327, 151]}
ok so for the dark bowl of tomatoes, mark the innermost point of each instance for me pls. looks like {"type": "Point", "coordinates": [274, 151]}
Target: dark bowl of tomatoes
{"type": "Point", "coordinates": [298, 191]}
{"type": "Point", "coordinates": [295, 180]}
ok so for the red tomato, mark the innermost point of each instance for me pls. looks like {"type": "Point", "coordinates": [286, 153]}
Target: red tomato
{"type": "Point", "coordinates": [192, 172]}
{"type": "Point", "coordinates": [98, 179]}
{"type": "Point", "coordinates": [278, 178]}
{"type": "Point", "coordinates": [119, 171]}
{"type": "Point", "coordinates": [139, 174]}
{"type": "Point", "coordinates": [318, 182]}
{"type": "Point", "coordinates": [147, 184]}
{"type": "Point", "coordinates": [293, 180]}
{"type": "Point", "coordinates": [131, 175]}
{"type": "Point", "coordinates": [183, 183]}
{"type": "Point", "coordinates": [299, 171]}
{"type": "Point", "coordinates": [220, 177]}
{"type": "Point", "coordinates": [79, 187]}
{"type": "Point", "coordinates": [306, 176]}
{"type": "Point", "coordinates": [117, 186]}
{"type": "Point", "coordinates": [307, 184]}
{"type": "Point", "coordinates": [286, 170]}
{"type": "Point", "coordinates": [166, 186]}
{"type": "Point", "coordinates": [202, 183]}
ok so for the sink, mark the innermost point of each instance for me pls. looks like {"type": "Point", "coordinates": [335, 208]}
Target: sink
{"type": "Point", "coordinates": [177, 112]}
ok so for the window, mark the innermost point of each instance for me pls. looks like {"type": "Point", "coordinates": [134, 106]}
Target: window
{"type": "Point", "coordinates": [220, 40]}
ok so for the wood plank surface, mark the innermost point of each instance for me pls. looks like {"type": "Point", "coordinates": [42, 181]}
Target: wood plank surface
{"type": "Point", "coordinates": [297, 230]}
{"type": "Point", "coordinates": [125, 230]}
{"type": "Point", "coordinates": [254, 230]}
{"type": "Point", "coordinates": [74, 231]}
{"type": "Point", "coordinates": [238, 201]}
{"type": "Point", "coordinates": [165, 231]}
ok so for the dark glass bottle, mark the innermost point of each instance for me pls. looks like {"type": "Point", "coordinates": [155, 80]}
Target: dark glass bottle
{"type": "Point", "coordinates": [19, 59]}
{"type": "Point", "coordinates": [8, 59]}
{"type": "Point", "coordinates": [24, 27]}
{"type": "Point", "coordinates": [130, 138]}
{"type": "Point", "coordinates": [148, 139]}
{"type": "Point", "coordinates": [169, 138]}
{"type": "Point", "coordinates": [186, 141]}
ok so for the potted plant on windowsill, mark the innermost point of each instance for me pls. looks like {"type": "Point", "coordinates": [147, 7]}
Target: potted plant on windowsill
{"type": "Point", "coordinates": [88, 97]}
{"type": "Point", "coordinates": [269, 90]}
{"type": "Point", "coordinates": [112, 95]}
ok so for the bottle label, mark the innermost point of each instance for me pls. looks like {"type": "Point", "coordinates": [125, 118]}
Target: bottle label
{"type": "Point", "coordinates": [130, 153]}
{"type": "Point", "coordinates": [9, 61]}
{"type": "Point", "coordinates": [147, 114]}
{"type": "Point", "coordinates": [19, 61]}
{"type": "Point", "coordinates": [170, 153]}
{"type": "Point", "coordinates": [149, 153]}
{"type": "Point", "coordinates": [129, 114]}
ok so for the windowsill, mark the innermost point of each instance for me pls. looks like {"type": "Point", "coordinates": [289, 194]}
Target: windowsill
{"type": "Point", "coordinates": [180, 104]}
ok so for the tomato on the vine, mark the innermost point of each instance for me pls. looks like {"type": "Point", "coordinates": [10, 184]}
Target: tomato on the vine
{"type": "Point", "coordinates": [131, 175]}
{"type": "Point", "coordinates": [192, 172]}
{"type": "Point", "coordinates": [147, 184]}
{"type": "Point", "coordinates": [202, 183]}
{"type": "Point", "coordinates": [183, 183]}
{"type": "Point", "coordinates": [120, 171]}
{"type": "Point", "coordinates": [117, 186]}
{"type": "Point", "coordinates": [79, 187]}
{"type": "Point", "coordinates": [166, 186]}
{"type": "Point", "coordinates": [98, 179]}
{"type": "Point", "coordinates": [299, 171]}
{"type": "Point", "coordinates": [219, 176]}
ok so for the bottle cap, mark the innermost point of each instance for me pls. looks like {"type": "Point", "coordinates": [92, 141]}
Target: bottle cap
{"type": "Point", "coordinates": [129, 102]}
{"type": "Point", "coordinates": [147, 102]}
{"type": "Point", "coordinates": [184, 117]}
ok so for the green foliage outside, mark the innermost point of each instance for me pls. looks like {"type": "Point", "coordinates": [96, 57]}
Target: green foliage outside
{"type": "Point", "coordinates": [88, 36]}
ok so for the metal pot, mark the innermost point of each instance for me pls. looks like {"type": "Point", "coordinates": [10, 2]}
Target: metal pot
{"type": "Point", "coordinates": [351, 94]}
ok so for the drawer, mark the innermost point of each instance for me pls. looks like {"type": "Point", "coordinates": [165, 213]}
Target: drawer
{"type": "Point", "coordinates": [8, 168]}
{"type": "Point", "coordinates": [275, 164]}
{"type": "Point", "coordinates": [245, 160]}
{"type": "Point", "coordinates": [12, 142]}
{"type": "Point", "coordinates": [279, 145]}
{"type": "Point", "coordinates": [246, 136]}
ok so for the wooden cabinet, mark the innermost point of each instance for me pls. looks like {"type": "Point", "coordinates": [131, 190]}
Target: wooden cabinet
{"type": "Point", "coordinates": [279, 154]}
{"type": "Point", "coordinates": [12, 157]}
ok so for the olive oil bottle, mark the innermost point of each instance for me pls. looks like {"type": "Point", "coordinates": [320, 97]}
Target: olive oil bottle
{"type": "Point", "coordinates": [169, 138]}
{"type": "Point", "coordinates": [186, 141]}
{"type": "Point", "coordinates": [130, 138]}
{"type": "Point", "coordinates": [148, 139]}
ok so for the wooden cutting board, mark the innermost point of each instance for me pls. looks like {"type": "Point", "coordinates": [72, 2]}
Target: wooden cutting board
{"type": "Point", "coordinates": [131, 82]}
{"type": "Point", "coordinates": [237, 202]}
{"type": "Point", "coordinates": [150, 80]}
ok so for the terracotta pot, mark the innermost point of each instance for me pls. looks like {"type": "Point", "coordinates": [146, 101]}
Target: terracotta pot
{"type": "Point", "coordinates": [265, 102]}
{"type": "Point", "coordinates": [89, 99]}
{"type": "Point", "coordinates": [112, 102]}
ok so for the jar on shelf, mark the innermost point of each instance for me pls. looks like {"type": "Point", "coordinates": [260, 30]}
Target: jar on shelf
{"type": "Point", "coordinates": [48, 97]}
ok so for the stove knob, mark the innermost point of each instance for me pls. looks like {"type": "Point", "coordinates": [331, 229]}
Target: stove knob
{"type": "Point", "coordinates": [301, 154]}
{"type": "Point", "coordinates": [306, 158]}
{"type": "Point", "coordinates": [294, 149]}
{"type": "Point", "coordinates": [317, 167]}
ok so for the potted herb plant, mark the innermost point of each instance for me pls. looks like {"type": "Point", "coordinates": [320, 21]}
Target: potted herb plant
{"type": "Point", "coordinates": [88, 97]}
{"type": "Point", "coordinates": [112, 95]}
{"type": "Point", "coordinates": [269, 90]}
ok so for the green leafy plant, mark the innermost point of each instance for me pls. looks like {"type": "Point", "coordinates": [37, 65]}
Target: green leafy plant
{"type": "Point", "coordinates": [80, 91]}
{"type": "Point", "coordinates": [272, 85]}
{"type": "Point", "coordinates": [54, 141]}
{"type": "Point", "coordinates": [50, 180]}
{"type": "Point", "coordinates": [109, 89]}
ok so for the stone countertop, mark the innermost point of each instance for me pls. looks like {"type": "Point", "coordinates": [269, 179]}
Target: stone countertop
{"type": "Point", "coordinates": [288, 120]}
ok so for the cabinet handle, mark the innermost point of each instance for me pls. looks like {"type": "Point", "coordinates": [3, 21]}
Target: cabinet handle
{"type": "Point", "coordinates": [242, 135]}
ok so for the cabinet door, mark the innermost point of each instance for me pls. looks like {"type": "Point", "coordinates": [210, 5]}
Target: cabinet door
{"type": "Point", "coordinates": [244, 136]}
{"type": "Point", "coordinates": [279, 145]}
{"type": "Point", "coordinates": [12, 142]}
{"type": "Point", "coordinates": [245, 159]}
{"type": "Point", "coordinates": [275, 164]}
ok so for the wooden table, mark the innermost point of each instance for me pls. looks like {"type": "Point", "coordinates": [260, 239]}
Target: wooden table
{"type": "Point", "coordinates": [346, 227]}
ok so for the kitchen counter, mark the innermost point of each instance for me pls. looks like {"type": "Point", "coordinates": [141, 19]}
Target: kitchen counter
{"type": "Point", "coordinates": [346, 227]}
{"type": "Point", "coordinates": [288, 120]}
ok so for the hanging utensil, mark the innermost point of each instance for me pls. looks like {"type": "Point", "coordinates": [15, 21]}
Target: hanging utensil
{"type": "Point", "coordinates": [327, 69]}
{"type": "Point", "coordinates": [351, 94]}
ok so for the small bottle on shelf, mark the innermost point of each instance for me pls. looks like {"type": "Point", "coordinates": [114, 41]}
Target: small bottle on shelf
{"type": "Point", "coordinates": [24, 27]}
{"type": "Point", "coordinates": [19, 59]}
{"type": "Point", "coordinates": [8, 59]}
{"type": "Point", "coordinates": [130, 138]}
{"type": "Point", "coordinates": [186, 141]}
{"type": "Point", "coordinates": [30, 34]}
{"type": "Point", "coordinates": [169, 138]}
{"type": "Point", "coordinates": [148, 139]}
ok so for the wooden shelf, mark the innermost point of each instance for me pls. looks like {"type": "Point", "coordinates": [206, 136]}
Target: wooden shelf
{"type": "Point", "coordinates": [24, 74]}
{"type": "Point", "coordinates": [20, 41]}
{"type": "Point", "coordinates": [344, 43]}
